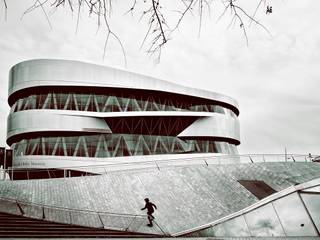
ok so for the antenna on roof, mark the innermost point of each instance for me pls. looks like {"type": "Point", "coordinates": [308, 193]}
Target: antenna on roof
{"type": "Point", "coordinates": [285, 153]}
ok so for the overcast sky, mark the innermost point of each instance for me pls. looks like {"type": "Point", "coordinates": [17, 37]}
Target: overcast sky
{"type": "Point", "coordinates": [275, 79]}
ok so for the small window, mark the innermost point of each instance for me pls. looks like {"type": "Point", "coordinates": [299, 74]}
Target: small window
{"type": "Point", "coordinates": [258, 188]}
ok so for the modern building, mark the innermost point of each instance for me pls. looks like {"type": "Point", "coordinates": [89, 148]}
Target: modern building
{"type": "Point", "coordinates": [69, 113]}
{"type": "Point", "coordinates": [142, 137]}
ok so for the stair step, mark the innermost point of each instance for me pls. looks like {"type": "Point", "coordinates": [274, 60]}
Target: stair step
{"type": "Point", "coordinates": [8, 218]}
{"type": "Point", "coordinates": [36, 224]}
{"type": "Point", "coordinates": [63, 229]}
{"type": "Point", "coordinates": [15, 226]}
{"type": "Point", "coordinates": [26, 222]}
{"type": "Point", "coordinates": [31, 222]}
{"type": "Point", "coordinates": [72, 236]}
{"type": "Point", "coordinates": [61, 233]}
{"type": "Point", "coordinates": [42, 228]}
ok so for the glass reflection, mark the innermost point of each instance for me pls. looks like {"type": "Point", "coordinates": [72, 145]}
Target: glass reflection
{"type": "Point", "coordinates": [235, 227]}
{"type": "Point", "coordinates": [264, 222]}
{"type": "Point", "coordinates": [313, 189]}
{"type": "Point", "coordinates": [107, 145]}
{"type": "Point", "coordinates": [312, 202]}
{"type": "Point", "coordinates": [293, 216]}
{"type": "Point", "coordinates": [113, 103]}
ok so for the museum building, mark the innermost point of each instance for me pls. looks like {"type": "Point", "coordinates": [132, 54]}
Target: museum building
{"type": "Point", "coordinates": [63, 112]}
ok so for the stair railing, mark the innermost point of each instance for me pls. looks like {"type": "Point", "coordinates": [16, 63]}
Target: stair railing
{"type": "Point", "coordinates": [6, 174]}
{"type": "Point", "coordinates": [81, 217]}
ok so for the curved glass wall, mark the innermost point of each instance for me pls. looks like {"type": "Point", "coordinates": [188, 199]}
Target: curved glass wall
{"type": "Point", "coordinates": [112, 103]}
{"type": "Point", "coordinates": [116, 145]}
{"type": "Point", "coordinates": [294, 215]}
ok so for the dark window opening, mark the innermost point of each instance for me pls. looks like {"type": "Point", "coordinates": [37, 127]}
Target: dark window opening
{"type": "Point", "coordinates": [258, 188]}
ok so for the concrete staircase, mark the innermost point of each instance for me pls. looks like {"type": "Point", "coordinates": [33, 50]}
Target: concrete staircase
{"type": "Point", "coordinates": [13, 226]}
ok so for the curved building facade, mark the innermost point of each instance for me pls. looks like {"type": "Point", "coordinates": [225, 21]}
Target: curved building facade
{"type": "Point", "coordinates": [66, 113]}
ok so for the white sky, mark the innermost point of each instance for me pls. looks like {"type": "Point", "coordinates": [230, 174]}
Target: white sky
{"type": "Point", "coordinates": [275, 79]}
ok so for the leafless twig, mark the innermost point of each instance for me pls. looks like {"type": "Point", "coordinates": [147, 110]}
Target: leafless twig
{"type": "Point", "coordinates": [238, 15]}
{"type": "Point", "coordinates": [37, 4]}
{"type": "Point", "coordinates": [99, 8]}
{"type": "Point", "coordinates": [5, 9]}
{"type": "Point", "coordinates": [131, 8]}
{"type": "Point", "coordinates": [256, 10]}
{"type": "Point", "coordinates": [159, 28]}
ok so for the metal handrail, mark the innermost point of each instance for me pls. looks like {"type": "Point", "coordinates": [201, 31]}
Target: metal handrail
{"type": "Point", "coordinates": [68, 209]}
{"type": "Point", "coordinates": [203, 160]}
{"type": "Point", "coordinates": [158, 164]}
{"type": "Point", "coordinates": [133, 217]}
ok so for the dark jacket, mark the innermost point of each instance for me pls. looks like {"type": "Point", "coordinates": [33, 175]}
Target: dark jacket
{"type": "Point", "coordinates": [150, 207]}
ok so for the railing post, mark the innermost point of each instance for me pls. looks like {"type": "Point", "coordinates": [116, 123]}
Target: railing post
{"type": "Point", "coordinates": [206, 162]}
{"type": "Point", "coordinates": [127, 228]}
{"type": "Point", "coordinates": [100, 220]}
{"type": "Point", "coordinates": [285, 154]}
{"type": "Point", "coordinates": [43, 213]}
{"type": "Point", "coordinates": [164, 233]}
{"type": "Point", "coordinates": [20, 208]}
{"type": "Point", "coordinates": [157, 165]}
{"type": "Point", "coordinates": [70, 216]}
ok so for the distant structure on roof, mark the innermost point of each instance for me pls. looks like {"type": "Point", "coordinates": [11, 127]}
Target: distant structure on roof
{"type": "Point", "coordinates": [66, 113]}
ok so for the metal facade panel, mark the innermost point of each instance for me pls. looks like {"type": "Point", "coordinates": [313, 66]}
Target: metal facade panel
{"type": "Point", "coordinates": [214, 126]}
{"type": "Point", "coordinates": [40, 120]}
{"type": "Point", "coordinates": [45, 72]}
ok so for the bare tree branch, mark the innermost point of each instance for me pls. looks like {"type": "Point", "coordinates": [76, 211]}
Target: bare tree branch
{"type": "Point", "coordinates": [256, 10]}
{"type": "Point", "coordinates": [187, 9]}
{"type": "Point", "coordinates": [36, 5]}
{"type": "Point", "coordinates": [200, 16]}
{"type": "Point", "coordinates": [78, 16]}
{"type": "Point", "coordinates": [160, 26]}
{"type": "Point", "coordinates": [254, 20]}
{"type": "Point", "coordinates": [132, 8]}
{"type": "Point", "coordinates": [223, 13]}
{"type": "Point", "coordinates": [5, 9]}
{"type": "Point", "coordinates": [155, 5]}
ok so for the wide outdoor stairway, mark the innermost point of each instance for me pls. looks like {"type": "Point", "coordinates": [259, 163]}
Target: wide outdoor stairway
{"type": "Point", "coordinates": [187, 197]}
{"type": "Point", "coordinates": [13, 226]}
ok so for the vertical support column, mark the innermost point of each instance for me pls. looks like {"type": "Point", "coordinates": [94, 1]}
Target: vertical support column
{"type": "Point", "coordinates": [2, 156]}
{"type": "Point", "coordinates": [2, 163]}
{"type": "Point", "coordinates": [8, 162]}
